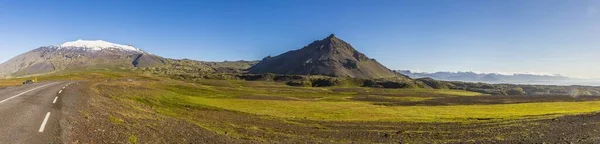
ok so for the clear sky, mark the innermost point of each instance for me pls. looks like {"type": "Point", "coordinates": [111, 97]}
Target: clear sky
{"type": "Point", "coordinates": [544, 36]}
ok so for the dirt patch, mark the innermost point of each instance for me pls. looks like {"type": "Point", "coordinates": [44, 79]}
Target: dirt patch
{"type": "Point", "coordinates": [568, 129]}
{"type": "Point", "coordinates": [92, 118]}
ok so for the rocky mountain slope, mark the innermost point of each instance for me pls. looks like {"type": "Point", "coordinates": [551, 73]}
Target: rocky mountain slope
{"type": "Point", "coordinates": [80, 54]}
{"type": "Point", "coordinates": [330, 56]}
{"type": "Point", "coordinates": [98, 54]}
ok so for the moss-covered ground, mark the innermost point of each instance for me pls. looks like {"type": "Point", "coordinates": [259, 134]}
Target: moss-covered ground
{"type": "Point", "coordinates": [264, 110]}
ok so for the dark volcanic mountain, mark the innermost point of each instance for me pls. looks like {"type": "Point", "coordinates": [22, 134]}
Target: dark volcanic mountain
{"type": "Point", "coordinates": [80, 54]}
{"type": "Point", "coordinates": [330, 56]}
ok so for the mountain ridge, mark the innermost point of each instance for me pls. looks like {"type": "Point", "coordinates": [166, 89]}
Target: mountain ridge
{"type": "Point", "coordinates": [50, 59]}
{"type": "Point", "coordinates": [485, 77]}
{"type": "Point", "coordinates": [99, 54]}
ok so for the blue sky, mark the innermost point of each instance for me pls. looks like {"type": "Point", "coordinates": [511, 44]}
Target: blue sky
{"type": "Point", "coordinates": [544, 36]}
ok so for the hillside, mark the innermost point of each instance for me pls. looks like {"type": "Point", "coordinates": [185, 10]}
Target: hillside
{"type": "Point", "coordinates": [98, 54]}
{"type": "Point", "coordinates": [192, 69]}
{"type": "Point", "coordinates": [80, 54]}
{"type": "Point", "coordinates": [330, 56]}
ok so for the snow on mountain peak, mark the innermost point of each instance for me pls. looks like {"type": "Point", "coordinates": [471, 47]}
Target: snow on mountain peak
{"type": "Point", "coordinates": [97, 45]}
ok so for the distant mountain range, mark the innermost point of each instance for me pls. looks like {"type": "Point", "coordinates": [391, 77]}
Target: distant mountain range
{"type": "Point", "coordinates": [330, 56]}
{"type": "Point", "coordinates": [516, 78]}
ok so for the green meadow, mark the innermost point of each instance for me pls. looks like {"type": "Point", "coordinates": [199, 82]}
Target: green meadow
{"type": "Point", "coordinates": [278, 100]}
{"type": "Point", "coordinates": [267, 110]}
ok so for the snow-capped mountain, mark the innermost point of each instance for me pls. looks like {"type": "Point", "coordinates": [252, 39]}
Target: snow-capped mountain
{"type": "Point", "coordinates": [79, 54]}
{"type": "Point", "coordinates": [97, 45]}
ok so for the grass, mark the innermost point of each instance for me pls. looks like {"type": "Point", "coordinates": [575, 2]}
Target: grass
{"type": "Point", "coordinates": [326, 104]}
{"type": "Point", "coordinates": [362, 111]}
{"type": "Point", "coordinates": [10, 82]}
{"type": "Point", "coordinates": [116, 120]}
{"type": "Point", "coordinates": [332, 104]}
{"type": "Point", "coordinates": [132, 139]}
{"type": "Point", "coordinates": [408, 91]}
{"type": "Point", "coordinates": [256, 109]}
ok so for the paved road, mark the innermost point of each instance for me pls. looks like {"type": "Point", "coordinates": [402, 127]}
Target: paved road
{"type": "Point", "coordinates": [30, 114]}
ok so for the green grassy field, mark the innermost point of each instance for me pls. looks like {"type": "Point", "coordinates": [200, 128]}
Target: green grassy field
{"type": "Point", "coordinates": [361, 111]}
{"type": "Point", "coordinates": [322, 104]}
{"type": "Point", "coordinates": [263, 110]}
{"type": "Point", "coordinates": [326, 104]}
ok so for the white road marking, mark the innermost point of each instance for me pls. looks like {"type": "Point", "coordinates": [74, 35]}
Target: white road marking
{"type": "Point", "coordinates": [24, 93]}
{"type": "Point", "coordinates": [44, 122]}
{"type": "Point", "coordinates": [60, 91]}
{"type": "Point", "coordinates": [54, 99]}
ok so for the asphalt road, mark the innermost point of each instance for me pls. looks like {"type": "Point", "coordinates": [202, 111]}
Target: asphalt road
{"type": "Point", "coordinates": [32, 113]}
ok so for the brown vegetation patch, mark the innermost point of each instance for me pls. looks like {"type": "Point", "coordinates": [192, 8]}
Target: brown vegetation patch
{"type": "Point", "coordinates": [92, 118]}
